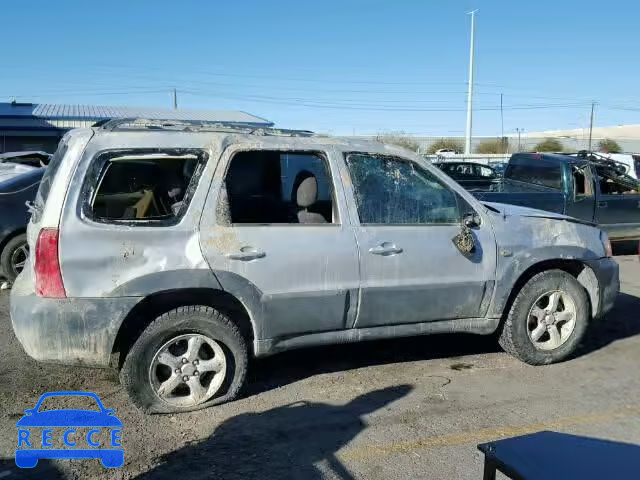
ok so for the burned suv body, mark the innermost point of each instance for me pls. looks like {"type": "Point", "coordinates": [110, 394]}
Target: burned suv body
{"type": "Point", "coordinates": [176, 252]}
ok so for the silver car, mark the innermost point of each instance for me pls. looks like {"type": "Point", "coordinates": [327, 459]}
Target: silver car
{"type": "Point", "coordinates": [175, 252]}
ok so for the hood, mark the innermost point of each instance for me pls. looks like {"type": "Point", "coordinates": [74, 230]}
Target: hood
{"type": "Point", "coordinates": [10, 170]}
{"type": "Point", "coordinates": [508, 210]}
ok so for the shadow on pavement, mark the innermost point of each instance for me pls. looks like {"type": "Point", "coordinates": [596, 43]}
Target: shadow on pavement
{"type": "Point", "coordinates": [44, 469]}
{"type": "Point", "coordinates": [299, 440]}
{"type": "Point", "coordinates": [622, 322]}
{"type": "Point", "coordinates": [289, 367]}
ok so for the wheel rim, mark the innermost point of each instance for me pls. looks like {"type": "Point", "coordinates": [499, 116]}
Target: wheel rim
{"type": "Point", "coordinates": [188, 370]}
{"type": "Point", "coordinates": [19, 258]}
{"type": "Point", "coordinates": [551, 320]}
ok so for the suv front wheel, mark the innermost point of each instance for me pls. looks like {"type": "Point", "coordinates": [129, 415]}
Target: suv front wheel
{"type": "Point", "coordinates": [547, 319]}
{"type": "Point", "coordinates": [187, 359]}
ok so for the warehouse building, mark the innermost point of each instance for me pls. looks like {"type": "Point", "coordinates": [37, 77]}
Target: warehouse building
{"type": "Point", "coordinates": [39, 126]}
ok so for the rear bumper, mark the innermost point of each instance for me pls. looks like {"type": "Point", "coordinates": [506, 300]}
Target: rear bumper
{"type": "Point", "coordinates": [78, 331]}
{"type": "Point", "coordinates": [607, 273]}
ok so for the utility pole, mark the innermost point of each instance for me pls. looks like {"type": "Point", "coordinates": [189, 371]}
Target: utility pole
{"type": "Point", "coordinates": [467, 144]}
{"type": "Point", "coordinates": [593, 106]}
{"type": "Point", "coordinates": [175, 99]}
{"type": "Point", "coordinates": [504, 150]}
{"type": "Point", "coordinates": [519, 130]}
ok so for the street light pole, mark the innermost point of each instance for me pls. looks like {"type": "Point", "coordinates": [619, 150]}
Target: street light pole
{"type": "Point", "coordinates": [467, 144]}
{"type": "Point", "coordinates": [593, 105]}
{"type": "Point", "coordinates": [502, 142]}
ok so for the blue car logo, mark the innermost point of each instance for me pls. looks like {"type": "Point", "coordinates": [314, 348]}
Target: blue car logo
{"type": "Point", "coordinates": [103, 439]}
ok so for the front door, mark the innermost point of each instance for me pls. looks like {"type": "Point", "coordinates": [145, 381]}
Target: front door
{"type": "Point", "coordinates": [411, 269]}
{"type": "Point", "coordinates": [581, 199]}
{"type": "Point", "coordinates": [277, 230]}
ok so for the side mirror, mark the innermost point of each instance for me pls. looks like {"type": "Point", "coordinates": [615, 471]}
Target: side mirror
{"type": "Point", "coordinates": [29, 411]}
{"type": "Point", "coordinates": [109, 411]}
{"type": "Point", "coordinates": [471, 220]}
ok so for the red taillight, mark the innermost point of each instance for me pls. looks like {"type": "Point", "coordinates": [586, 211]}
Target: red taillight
{"type": "Point", "coordinates": [47, 265]}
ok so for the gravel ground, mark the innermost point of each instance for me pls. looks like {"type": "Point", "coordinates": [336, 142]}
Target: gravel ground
{"type": "Point", "coordinates": [407, 408]}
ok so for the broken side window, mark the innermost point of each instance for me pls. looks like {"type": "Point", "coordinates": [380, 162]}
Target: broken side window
{"type": "Point", "coordinates": [390, 190]}
{"type": "Point", "coordinates": [582, 183]}
{"type": "Point", "coordinates": [151, 186]}
{"type": "Point", "coordinates": [274, 187]}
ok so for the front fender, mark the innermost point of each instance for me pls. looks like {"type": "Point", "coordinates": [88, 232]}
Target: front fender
{"type": "Point", "coordinates": [526, 241]}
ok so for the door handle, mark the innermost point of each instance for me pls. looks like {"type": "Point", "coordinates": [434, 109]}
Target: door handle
{"type": "Point", "coordinates": [246, 254]}
{"type": "Point", "coordinates": [386, 248]}
{"type": "Point", "coordinates": [602, 204]}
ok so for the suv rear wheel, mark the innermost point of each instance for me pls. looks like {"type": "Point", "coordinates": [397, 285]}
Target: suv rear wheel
{"type": "Point", "coordinates": [186, 359]}
{"type": "Point", "coordinates": [547, 320]}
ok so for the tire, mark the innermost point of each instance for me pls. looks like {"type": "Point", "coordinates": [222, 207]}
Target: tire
{"type": "Point", "coordinates": [13, 247]}
{"type": "Point", "coordinates": [171, 331]}
{"type": "Point", "coordinates": [518, 330]}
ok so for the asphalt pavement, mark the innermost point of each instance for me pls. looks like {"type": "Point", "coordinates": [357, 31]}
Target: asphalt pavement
{"type": "Point", "coordinates": [407, 408]}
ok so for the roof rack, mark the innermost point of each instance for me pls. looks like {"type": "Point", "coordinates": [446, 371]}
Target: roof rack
{"type": "Point", "coordinates": [128, 124]}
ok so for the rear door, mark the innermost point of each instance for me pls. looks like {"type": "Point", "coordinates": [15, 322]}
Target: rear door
{"type": "Point", "coordinates": [411, 270]}
{"type": "Point", "coordinates": [263, 232]}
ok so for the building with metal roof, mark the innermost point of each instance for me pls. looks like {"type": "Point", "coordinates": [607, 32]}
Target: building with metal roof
{"type": "Point", "coordinates": [39, 126]}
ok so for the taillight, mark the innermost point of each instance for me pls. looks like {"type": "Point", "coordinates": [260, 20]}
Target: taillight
{"type": "Point", "coordinates": [47, 265]}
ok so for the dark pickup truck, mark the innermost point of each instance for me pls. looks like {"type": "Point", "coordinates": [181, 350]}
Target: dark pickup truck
{"type": "Point", "coordinates": [595, 191]}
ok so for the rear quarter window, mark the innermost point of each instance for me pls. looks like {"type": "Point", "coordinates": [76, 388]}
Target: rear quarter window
{"type": "Point", "coordinates": [50, 173]}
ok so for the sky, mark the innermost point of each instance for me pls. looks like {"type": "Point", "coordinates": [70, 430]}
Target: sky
{"type": "Point", "coordinates": [340, 67]}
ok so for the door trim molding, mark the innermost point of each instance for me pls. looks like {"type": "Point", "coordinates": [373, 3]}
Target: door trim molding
{"type": "Point", "coordinates": [483, 326]}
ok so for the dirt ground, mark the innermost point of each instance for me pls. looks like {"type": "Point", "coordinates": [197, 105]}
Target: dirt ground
{"type": "Point", "coordinates": [408, 408]}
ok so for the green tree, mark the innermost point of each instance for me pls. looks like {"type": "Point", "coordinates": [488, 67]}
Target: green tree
{"type": "Point", "coordinates": [549, 145]}
{"type": "Point", "coordinates": [399, 139]}
{"type": "Point", "coordinates": [445, 144]}
{"type": "Point", "coordinates": [493, 146]}
{"type": "Point", "coordinates": [608, 145]}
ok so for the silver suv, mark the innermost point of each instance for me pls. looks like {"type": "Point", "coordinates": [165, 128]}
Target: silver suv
{"type": "Point", "coordinates": [175, 252]}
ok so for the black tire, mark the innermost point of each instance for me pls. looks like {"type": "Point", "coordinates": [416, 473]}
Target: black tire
{"type": "Point", "coordinates": [13, 246]}
{"type": "Point", "coordinates": [207, 321]}
{"type": "Point", "coordinates": [514, 336]}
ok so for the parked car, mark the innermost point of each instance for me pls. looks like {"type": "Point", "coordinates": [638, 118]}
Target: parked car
{"type": "Point", "coordinates": [15, 191]}
{"type": "Point", "coordinates": [470, 175]}
{"type": "Point", "coordinates": [446, 152]}
{"type": "Point", "coordinates": [175, 252]}
{"type": "Point", "coordinates": [592, 191]}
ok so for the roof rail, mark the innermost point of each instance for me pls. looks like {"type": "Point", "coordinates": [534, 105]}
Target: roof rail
{"type": "Point", "coordinates": [124, 124]}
